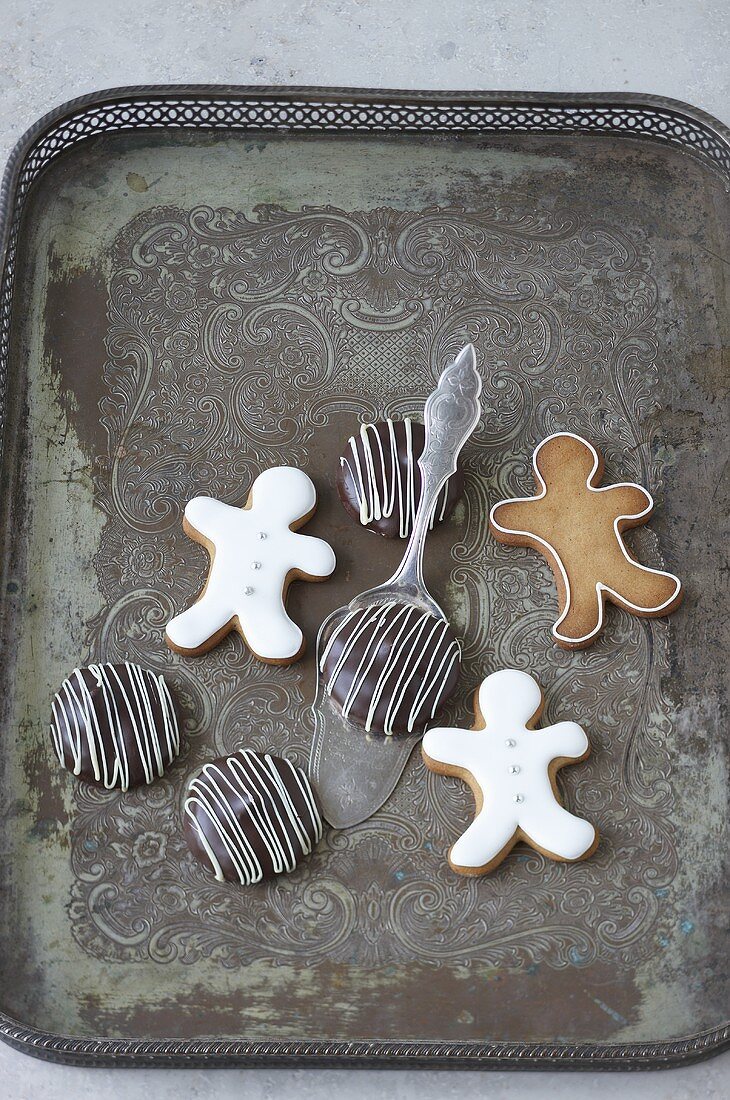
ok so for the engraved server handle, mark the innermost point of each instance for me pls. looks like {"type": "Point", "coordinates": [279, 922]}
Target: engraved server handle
{"type": "Point", "coordinates": [451, 414]}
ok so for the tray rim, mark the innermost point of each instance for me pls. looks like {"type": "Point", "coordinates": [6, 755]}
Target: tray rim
{"type": "Point", "coordinates": [360, 1054]}
{"type": "Point", "coordinates": [32, 153]}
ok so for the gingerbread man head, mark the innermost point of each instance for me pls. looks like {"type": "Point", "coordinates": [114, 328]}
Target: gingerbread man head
{"type": "Point", "coordinates": [509, 696]}
{"type": "Point", "coordinates": [285, 493]}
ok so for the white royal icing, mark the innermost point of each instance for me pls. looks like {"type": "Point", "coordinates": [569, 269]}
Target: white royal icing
{"type": "Point", "coordinates": [408, 634]}
{"type": "Point", "coordinates": [377, 493]}
{"type": "Point", "coordinates": [251, 784]}
{"type": "Point", "coordinates": [509, 763]}
{"type": "Point", "coordinates": [255, 551]}
{"type": "Point", "coordinates": [600, 587]}
{"type": "Point", "coordinates": [116, 702]}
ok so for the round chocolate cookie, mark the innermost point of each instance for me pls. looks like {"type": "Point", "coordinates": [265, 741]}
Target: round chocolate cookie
{"type": "Point", "coordinates": [251, 816]}
{"type": "Point", "coordinates": [391, 667]}
{"type": "Point", "coordinates": [379, 480]}
{"type": "Point", "coordinates": [115, 725]}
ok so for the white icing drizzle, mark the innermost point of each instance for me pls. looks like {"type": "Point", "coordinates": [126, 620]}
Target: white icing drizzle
{"type": "Point", "coordinates": [410, 632]}
{"type": "Point", "coordinates": [250, 786]}
{"type": "Point", "coordinates": [371, 472]}
{"type": "Point", "coordinates": [156, 748]}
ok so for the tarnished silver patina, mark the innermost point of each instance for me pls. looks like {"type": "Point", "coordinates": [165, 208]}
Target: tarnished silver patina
{"type": "Point", "coordinates": [198, 283]}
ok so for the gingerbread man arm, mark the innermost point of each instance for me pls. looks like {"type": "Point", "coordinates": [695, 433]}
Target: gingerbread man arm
{"type": "Point", "coordinates": [627, 502]}
{"type": "Point", "coordinates": [514, 517]}
{"type": "Point", "coordinates": [449, 748]}
{"type": "Point", "coordinates": [315, 558]}
{"type": "Point", "coordinates": [564, 740]}
{"type": "Point", "coordinates": [208, 516]}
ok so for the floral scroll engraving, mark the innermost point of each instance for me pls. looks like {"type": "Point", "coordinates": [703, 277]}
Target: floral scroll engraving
{"type": "Point", "coordinates": [232, 341]}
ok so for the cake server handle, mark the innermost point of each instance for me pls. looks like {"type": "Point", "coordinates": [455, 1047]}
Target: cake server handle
{"type": "Point", "coordinates": [450, 416]}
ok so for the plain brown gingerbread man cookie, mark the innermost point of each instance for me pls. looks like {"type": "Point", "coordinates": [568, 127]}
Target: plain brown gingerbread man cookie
{"type": "Point", "coordinates": [578, 526]}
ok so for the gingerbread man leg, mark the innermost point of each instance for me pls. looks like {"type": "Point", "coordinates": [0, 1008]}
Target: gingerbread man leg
{"type": "Point", "coordinates": [194, 628]}
{"type": "Point", "coordinates": [273, 637]}
{"type": "Point", "coordinates": [582, 614]}
{"type": "Point", "coordinates": [638, 588]}
{"type": "Point", "coordinates": [558, 832]}
{"type": "Point", "coordinates": [483, 843]}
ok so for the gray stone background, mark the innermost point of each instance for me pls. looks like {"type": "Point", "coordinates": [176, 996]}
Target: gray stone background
{"type": "Point", "coordinates": [53, 50]}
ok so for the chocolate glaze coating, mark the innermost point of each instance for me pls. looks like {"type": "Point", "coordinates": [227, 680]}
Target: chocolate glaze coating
{"type": "Point", "coordinates": [115, 725]}
{"type": "Point", "coordinates": [250, 816]}
{"type": "Point", "coordinates": [365, 482]}
{"type": "Point", "coordinates": [391, 667]}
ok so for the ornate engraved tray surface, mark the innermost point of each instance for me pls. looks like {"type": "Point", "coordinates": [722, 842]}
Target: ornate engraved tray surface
{"type": "Point", "coordinates": [207, 282]}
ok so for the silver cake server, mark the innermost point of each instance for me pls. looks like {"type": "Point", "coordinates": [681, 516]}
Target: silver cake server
{"type": "Point", "coordinates": [353, 772]}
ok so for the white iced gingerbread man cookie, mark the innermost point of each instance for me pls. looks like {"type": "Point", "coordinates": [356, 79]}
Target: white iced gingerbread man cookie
{"type": "Point", "coordinates": [511, 768]}
{"type": "Point", "coordinates": [254, 554]}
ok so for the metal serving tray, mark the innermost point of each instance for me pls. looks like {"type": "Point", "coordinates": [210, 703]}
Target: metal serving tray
{"type": "Point", "coordinates": [199, 282]}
